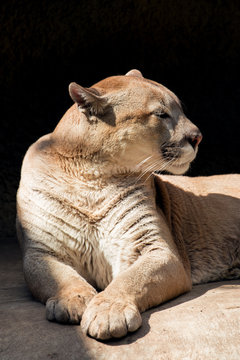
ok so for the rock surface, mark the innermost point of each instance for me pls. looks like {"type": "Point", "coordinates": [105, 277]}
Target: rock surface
{"type": "Point", "coordinates": [203, 324]}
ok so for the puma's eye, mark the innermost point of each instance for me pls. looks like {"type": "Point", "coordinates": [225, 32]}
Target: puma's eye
{"type": "Point", "coordinates": [162, 115]}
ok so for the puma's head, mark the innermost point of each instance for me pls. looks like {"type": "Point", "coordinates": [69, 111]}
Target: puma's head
{"type": "Point", "coordinates": [128, 123]}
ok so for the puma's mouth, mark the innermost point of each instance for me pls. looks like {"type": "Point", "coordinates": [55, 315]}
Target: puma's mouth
{"type": "Point", "coordinates": [178, 157]}
{"type": "Point", "coordinates": [180, 165]}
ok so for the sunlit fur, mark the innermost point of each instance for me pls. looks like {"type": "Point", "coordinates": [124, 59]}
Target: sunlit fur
{"type": "Point", "coordinates": [92, 213]}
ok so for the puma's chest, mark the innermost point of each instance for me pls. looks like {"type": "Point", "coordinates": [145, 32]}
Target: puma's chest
{"type": "Point", "coordinates": [99, 233]}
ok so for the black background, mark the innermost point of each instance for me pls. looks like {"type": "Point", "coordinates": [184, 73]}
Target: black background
{"type": "Point", "coordinates": [192, 47]}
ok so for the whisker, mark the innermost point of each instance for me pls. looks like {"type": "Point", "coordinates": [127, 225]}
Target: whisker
{"type": "Point", "coordinates": [144, 160]}
{"type": "Point", "coordinates": [146, 170]}
{"type": "Point", "coordinates": [163, 167]}
{"type": "Point", "coordinates": [155, 165]}
{"type": "Point", "coordinates": [140, 164]}
{"type": "Point", "coordinates": [152, 163]}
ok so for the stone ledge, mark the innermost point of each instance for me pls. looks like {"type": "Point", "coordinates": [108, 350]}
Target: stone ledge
{"type": "Point", "coordinates": [203, 324]}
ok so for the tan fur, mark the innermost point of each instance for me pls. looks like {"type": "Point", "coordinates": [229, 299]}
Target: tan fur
{"type": "Point", "coordinates": [92, 215]}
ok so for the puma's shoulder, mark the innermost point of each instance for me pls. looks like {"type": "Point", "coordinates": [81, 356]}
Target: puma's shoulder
{"type": "Point", "coordinates": [40, 161]}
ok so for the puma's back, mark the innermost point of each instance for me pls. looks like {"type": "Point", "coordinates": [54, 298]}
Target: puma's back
{"type": "Point", "coordinates": [204, 211]}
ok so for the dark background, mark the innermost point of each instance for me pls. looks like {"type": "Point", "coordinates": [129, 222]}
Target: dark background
{"type": "Point", "coordinates": [192, 47]}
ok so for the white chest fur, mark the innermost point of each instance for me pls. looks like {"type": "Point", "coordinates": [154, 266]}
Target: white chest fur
{"type": "Point", "coordinates": [98, 232]}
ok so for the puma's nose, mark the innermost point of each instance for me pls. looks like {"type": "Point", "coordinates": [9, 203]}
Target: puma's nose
{"type": "Point", "coordinates": [195, 138]}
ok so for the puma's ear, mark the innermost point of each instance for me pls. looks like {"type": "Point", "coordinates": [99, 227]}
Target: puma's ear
{"type": "Point", "coordinates": [134, 72]}
{"type": "Point", "coordinates": [87, 98]}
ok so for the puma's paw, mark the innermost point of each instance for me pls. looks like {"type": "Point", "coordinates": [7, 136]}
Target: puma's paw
{"type": "Point", "coordinates": [107, 317]}
{"type": "Point", "coordinates": [67, 309]}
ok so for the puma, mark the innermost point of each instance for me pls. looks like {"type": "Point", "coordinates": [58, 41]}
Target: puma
{"type": "Point", "coordinates": [103, 236]}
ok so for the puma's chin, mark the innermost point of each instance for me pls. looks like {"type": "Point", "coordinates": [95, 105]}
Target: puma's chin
{"type": "Point", "coordinates": [178, 169]}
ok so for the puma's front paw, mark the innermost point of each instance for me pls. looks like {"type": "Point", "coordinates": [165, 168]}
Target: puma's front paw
{"type": "Point", "coordinates": [67, 309]}
{"type": "Point", "coordinates": [107, 317]}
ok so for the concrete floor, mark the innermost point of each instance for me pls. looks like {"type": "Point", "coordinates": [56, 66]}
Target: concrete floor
{"type": "Point", "coordinates": [203, 324]}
